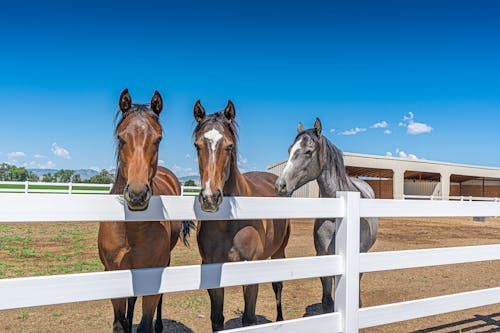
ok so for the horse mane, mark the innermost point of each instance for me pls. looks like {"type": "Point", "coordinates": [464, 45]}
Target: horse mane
{"type": "Point", "coordinates": [134, 108]}
{"type": "Point", "coordinates": [220, 118]}
{"type": "Point", "coordinates": [333, 156]}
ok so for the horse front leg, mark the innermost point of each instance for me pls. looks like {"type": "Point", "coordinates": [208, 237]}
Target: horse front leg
{"type": "Point", "coordinates": [159, 322]}
{"type": "Point", "coordinates": [250, 293]}
{"type": "Point", "coordinates": [130, 310]}
{"type": "Point", "coordinates": [120, 323]}
{"type": "Point", "coordinates": [324, 242]}
{"type": "Point", "coordinates": [149, 304]}
{"type": "Point", "coordinates": [217, 308]}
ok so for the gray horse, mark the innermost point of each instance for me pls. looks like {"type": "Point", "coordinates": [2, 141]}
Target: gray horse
{"type": "Point", "coordinates": [314, 157]}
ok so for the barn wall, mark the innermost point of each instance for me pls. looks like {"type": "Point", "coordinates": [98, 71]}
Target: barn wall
{"type": "Point", "coordinates": [382, 188]}
{"type": "Point", "coordinates": [475, 190]}
{"type": "Point", "coordinates": [419, 187]}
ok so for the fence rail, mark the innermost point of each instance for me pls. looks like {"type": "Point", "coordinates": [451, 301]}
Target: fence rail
{"type": "Point", "coordinates": [345, 265]}
{"type": "Point", "coordinates": [71, 188]}
{"type": "Point", "coordinates": [455, 198]}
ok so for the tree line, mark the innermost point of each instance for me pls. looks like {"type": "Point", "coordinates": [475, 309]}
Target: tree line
{"type": "Point", "coordinates": [20, 174]}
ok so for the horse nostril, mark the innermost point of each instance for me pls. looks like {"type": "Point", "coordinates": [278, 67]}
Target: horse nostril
{"type": "Point", "coordinates": [217, 196]}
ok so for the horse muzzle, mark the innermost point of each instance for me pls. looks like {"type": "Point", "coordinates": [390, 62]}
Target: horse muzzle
{"type": "Point", "coordinates": [137, 199]}
{"type": "Point", "coordinates": [280, 188]}
{"type": "Point", "coordinates": [210, 202]}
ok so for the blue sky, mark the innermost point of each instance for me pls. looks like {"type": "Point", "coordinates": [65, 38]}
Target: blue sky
{"type": "Point", "coordinates": [427, 72]}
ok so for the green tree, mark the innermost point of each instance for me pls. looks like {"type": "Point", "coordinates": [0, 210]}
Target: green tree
{"type": "Point", "coordinates": [48, 178]}
{"type": "Point", "coordinates": [33, 177]}
{"type": "Point", "coordinates": [63, 175]}
{"type": "Point", "coordinates": [104, 177]}
{"type": "Point", "coordinates": [19, 174]}
{"type": "Point", "coordinates": [77, 178]}
{"type": "Point", "coordinates": [189, 182]}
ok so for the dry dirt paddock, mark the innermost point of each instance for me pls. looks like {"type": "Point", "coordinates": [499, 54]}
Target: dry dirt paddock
{"type": "Point", "coordinates": [31, 249]}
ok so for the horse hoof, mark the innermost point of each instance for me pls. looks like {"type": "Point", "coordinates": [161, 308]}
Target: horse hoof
{"type": "Point", "coordinates": [158, 326]}
{"type": "Point", "coordinates": [249, 321]}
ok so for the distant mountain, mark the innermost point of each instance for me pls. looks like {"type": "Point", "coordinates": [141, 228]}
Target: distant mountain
{"type": "Point", "coordinates": [84, 173]}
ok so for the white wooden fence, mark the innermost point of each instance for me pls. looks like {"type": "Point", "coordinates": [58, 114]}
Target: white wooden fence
{"type": "Point", "coordinates": [71, 188]}
{"type": "Point", "coordinates": [455, 198]}
{"type": "Point", "coordinates": [345, 265]}
{"type": "Point", "coordinates": [56, 188]}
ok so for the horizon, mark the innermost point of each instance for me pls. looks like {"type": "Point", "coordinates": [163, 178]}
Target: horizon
{"type": "Point", "coordinates": [411, 80]}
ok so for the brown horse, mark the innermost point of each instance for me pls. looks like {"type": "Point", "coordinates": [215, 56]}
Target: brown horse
{"type": "Point", "coordinates": [221, 241]}
{"type": "Point", "coordinates": [128, 245]}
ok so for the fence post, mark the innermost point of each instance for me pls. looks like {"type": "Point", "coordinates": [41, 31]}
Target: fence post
{"type": "Point", "coordinates": [70, 188]}
{"type": "Point", "coordinates": [347, 246]}
{"type": "Point", "coordinates": [26, 186]}
{"type": "Point", "coordinates": [182, 190]}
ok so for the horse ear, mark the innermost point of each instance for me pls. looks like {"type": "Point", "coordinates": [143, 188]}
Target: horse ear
{"type": "Point", "coordinates": [199, 111]}
{"type": "Point", "coordinates": [125, 101]}
{"type": "Point", "coordinates": [156, 103]}
{"type": "Point", "coordinates": [317, 127]}
{"type": "Point", "coordinates": [229, 111]}
{"type": "Point", "coordinates": [300, 127]}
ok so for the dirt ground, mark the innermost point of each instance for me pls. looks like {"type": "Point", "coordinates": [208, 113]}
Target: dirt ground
{"type": "Point", "coordinates": [62, 248]}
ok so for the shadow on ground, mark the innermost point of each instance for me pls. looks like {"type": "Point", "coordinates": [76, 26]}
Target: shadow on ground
{"type": "Point", "coordinates": [313, 310]}
{"type": "Point", "coordinates": [170, 326]}
{"type": "Point", "coordinates": [236, 322]}
{"type": "Point", "coordinates": [477, 324]}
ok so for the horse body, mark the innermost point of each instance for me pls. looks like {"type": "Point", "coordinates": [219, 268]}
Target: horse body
{"type": "Point", "coordinates": [314, 157]}
{"type": "Point", "coordinates": [244, 239]}
{"type": "Point", "coordinates": [131, 245]}
{"type": "Point", "coordinates": [223, 241]}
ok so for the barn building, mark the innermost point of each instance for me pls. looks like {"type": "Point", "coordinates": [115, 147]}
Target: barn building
{"type": "Point", "coordinates": [403, 178]}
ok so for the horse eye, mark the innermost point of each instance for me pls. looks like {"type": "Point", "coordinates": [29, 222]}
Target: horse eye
{"type": "Point", "coordinates": [308, 152]}
{"type": "Point", "coordinates": [229, 148]}
{"type": "Point", "coordinates": [120, 141]}
{"type": "Point", "coordinates": [157, 142]}
{"type": "Point", "coordinates": [197, 147]}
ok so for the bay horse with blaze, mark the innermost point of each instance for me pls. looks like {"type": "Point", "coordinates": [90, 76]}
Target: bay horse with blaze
{"type": "Point", "coordinates": [130, 245]}
{"type": "Point", "coordinates": [215, 139]}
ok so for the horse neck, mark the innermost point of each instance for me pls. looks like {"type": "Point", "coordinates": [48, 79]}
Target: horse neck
{"type": "Point", "coordinates": [329, 182]}
{"type": "Point", "coordinates": [236, 183]}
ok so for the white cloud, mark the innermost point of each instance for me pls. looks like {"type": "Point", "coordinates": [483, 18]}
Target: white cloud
{"type": "Point", "coordinates": [15, 154]}
{"type": "Point", "coordinates": [418, 128]}
{"type": "Point", "coordinates": [60, 152]}
{"type": "Point", "coordinates": [380, 124]}
{"type": "Point", "coordinates": [389, 154]}
{"type": "Point", "coordinates": [387, 131]}
{"type": "Point", "coordinates": [187, 157]}
{"type": "Point", "coordinates": [413, 127]}
{"type": "Point", "coordinates": [353, 131]}
{"type": "Point", "coordinates": [95, 168]}
{"type": "Point", "coordinates": [332, 130]}
{"type": "Point", "coordinates": [48, 165]}
{"type": "Point", "coordinates": [39, 156]}
{"type": "Point", "coordinates": [244, 165]}
{"type": "Point", "coordinates": [161, 162]}
{"type": "Point", "coordinates": [401, 153]}
{"type": "Point", "coordinates": [182, 171]}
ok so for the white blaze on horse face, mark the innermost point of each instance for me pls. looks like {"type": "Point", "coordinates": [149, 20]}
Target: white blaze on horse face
{"type": "Point", "coordinates": [289, 163]}
{"type": "Point", "coordinates": [207, 191]}
{"type": "Point", "coordinates": [213, 136]}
